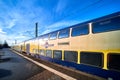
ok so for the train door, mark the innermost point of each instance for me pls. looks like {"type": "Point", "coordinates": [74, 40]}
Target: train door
{"type": "Point", "coordinates": [28, 48]}
{"type": "Point", "coordinates": [21, 48]}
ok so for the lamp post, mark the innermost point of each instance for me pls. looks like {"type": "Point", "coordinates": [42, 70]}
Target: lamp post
{"type": "Point", "coordinates": [36, 29]}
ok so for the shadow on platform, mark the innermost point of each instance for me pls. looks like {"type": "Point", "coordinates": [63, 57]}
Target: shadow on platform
{"type": "Point", "coordinates": [4, 59]}
{"type": "Point", "coordinates": [5, 73]}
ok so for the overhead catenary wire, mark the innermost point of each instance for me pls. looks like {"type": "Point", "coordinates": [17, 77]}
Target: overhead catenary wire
{"type": "Point", "coordinates": [81, 9]}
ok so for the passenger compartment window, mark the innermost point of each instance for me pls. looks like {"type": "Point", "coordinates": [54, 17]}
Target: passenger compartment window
{"type": "Point", "coordinates": [114, 61]}
{"type": "Point", "coordinates": [92, 58]}
{"type": "Point", "coordinates": [57, 54]}
{"type": "Point", "coordinates": [106, 25]}
{"type": "Point", "coordinates": [64, 33]}
{"type": "Point", "coordinates": [35, 51]}
{"type": "Point", "coordinates": [53, 35]}
{"type": "Point", "coordinates": [49, 53]}
{"type": "Point", "coordinates": [45, 37]}
{"type": "Point", "coordinates": [70, 56]}
{"type": "Point", "coordinates": [42, 52]}
{"type": "Point", "coordinates": [80, 30]}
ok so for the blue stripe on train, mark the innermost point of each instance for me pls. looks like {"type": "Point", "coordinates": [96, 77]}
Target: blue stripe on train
{"type": "Point", "coordinates": [84, 68]}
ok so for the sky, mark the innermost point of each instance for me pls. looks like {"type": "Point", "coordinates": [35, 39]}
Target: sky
{"type": "Point", "coordinates": [18, 17]}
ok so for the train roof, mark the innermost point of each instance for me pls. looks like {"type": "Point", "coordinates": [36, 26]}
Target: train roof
{"type": "Point", "coordinates": [90, 21]}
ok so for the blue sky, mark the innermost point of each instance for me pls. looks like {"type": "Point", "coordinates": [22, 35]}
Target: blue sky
{"type": "Point", "coordinates": [18, 17]}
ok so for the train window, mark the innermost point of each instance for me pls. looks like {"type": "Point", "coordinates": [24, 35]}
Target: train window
{"type": "Point", "coordinates": [114, 61]}
{"type": "Point", "coordinates": [92, 58]}
{"type": "Point", "coordinates": [57, 54]}
{"type": "Point", "coordinates": [64, 33]}
{"type": "Point", "coordinates": [106, 25]}
{"type": "Point", "coordinates": [42, 52]}
{"type": "Point", "coordinates": [45, 37]}
{"type": "Point", "coordinates": [35, 51]}
{"type": "Point", "coordinates": [41, 37]}
{"type": "Point", "coordinates": [53, 35]}
{"type": "Point", "coordinates": [80, 30]}
{"type": "Point", "coordinates": [70, 56]}
{"type": "Point", "coordinates": [49, 53]}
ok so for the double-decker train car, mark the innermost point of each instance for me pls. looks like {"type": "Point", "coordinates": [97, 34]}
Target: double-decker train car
{"type": "Point", "coordinates": [92, 47]}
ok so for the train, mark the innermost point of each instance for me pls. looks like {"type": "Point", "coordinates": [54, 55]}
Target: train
{"type": "Point", "coordinates": [92, 47]}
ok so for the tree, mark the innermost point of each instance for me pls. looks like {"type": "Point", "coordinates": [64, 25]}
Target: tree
{"type": "Point", "coordinates": [1, 46]}
{"type": "Point", "coordinates": [5, 45]}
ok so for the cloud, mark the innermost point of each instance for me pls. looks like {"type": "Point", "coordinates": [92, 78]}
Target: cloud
{"type": "Point", "coordinates": [59, 25]}
{"type": "Point", "coordinates": [63, 24]}
{"type": "Point", "coordinates": [11, 38]}
{"type": "Point", "coordinates": [19, 21]}
{"type": "Point", "coordinates": [11, 23]}
{"type": "Point", "coordinates": [20, 37]}
{"type": "Point", "coordinates": [28, 33]}
{"type": "Point", "coordinates": [8, 21]}
{"type": "Point", "coordinates": [3, 35]}
{"type": "Point", "coordinates": [60, 6]}
{"type": "Point", "coordinates": [2, 32]}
